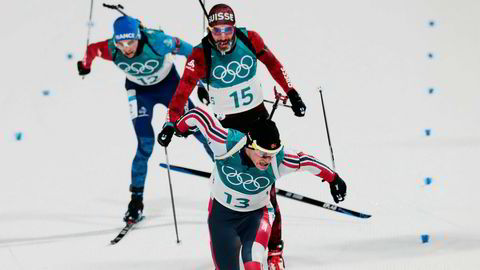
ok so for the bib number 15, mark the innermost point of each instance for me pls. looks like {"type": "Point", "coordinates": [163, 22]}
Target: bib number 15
{"type": "Point", "coordinates": [243, 98]}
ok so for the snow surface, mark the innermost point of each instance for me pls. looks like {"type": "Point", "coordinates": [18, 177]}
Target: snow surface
{"type": "Point", "coordinates": [65, 180]}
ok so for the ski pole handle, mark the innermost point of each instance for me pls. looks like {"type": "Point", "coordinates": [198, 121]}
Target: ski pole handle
{"type": "Point", "coordinates": [278, 97]}
{"type": "Point", "coordinates": [116, 7]}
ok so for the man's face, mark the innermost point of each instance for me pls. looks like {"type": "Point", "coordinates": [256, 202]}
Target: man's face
{"type": "Point", "coordinates": [222, 35]}
{"type": "Point", "coordinates": [127, 47]}
{"type": "Point", "coordinates": [261, 159]}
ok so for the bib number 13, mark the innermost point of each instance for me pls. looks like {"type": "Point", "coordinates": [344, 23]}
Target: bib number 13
{"type": "Point", "coordinates": [239, 202]}
{"type": "Point", "coordinates": [243, 98]}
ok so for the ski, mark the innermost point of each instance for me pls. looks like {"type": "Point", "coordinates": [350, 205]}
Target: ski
{"type": "Point", "coordinates": [280, 192]}
{"type": "Point", "coordinates": [124, 231]}
{"type": "Point", "coordinates": [325, 205]}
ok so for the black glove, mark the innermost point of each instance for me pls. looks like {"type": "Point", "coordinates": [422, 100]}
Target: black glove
{"type": "Point", "coordinates": [298, 106]}
{"type": "Point", "coordinates": [82, 71]}
{"type": "Point", "coordinates": [203, 95]}
{"type": "Point", "coordinates": [166, 134]}
{"type": "Point", "coordinates": [338, 189]}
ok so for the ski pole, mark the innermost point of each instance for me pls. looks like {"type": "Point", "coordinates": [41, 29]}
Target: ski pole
{"type": "Point", "coordinates": [171, 195]}
{"type": "Point", "coordinates": [203, 7]}
{"type": "Point", "coordinates": [281, 104]}
{"type": "Point", "coordinates": [204, 29]}
{"type": "Point", "coordinates": [89, 22]}
{"type": "Point", "coordinates": [89, 25]}
{"type": "Point", "coordinates": [274, 107]}
{"type": "Point", "coordinates": [326, 127]}
{"type": "Point", "coordinates": [278, 97]}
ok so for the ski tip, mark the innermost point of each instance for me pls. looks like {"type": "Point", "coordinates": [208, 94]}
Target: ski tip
{"type": "Point", "coordinates": [354, 214]}
{"type": "Point", "coordinates": [115, 241]}
{"type": "Point", "coordinates": [163, 165]}
{"type": "Point", "coordinates": [360, 215]}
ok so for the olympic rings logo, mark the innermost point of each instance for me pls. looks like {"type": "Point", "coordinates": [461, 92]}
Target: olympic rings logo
{"type": "Point", "coordinates": [234, 69]}
{"type": "Point", "coordinates": [137, 68]}
{"type": "Point", "coordinates": [245, 179]}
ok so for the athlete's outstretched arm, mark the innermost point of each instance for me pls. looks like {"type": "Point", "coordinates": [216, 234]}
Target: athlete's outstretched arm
{"type": "Point", "coordinates": [99, 49]}
{"type": "Point", "coordinates": [265, 55]}
{"type": "Point", "coordinates": [210, 127]}
{"type": "Point", "coordinates": [298, 161]}
{"type": "Point", "coordinates": [278, 72]}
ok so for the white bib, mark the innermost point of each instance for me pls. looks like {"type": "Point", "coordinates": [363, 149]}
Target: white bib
{"type": "Point", "coordinates": [236, 99]}
{"type": "Point", "coordinates": [156, 77]}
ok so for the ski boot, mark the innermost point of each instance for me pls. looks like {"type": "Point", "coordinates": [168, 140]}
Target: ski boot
{"type": "Point", "coordinates": [275, 257]}
{"type": "Point", "coordinates": [135, 210]}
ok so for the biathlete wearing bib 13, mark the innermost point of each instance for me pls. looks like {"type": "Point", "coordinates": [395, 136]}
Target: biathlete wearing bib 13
{"type": "Point", "coordinates": [246, 167]}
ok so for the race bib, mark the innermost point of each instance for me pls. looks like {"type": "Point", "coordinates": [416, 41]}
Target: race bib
{"type": "Point", "coordinates": [132, 103]}
{"type": "Point", "coordinates": [149, 73]}
{"type": "Point", "coordinates": [238, 98]}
